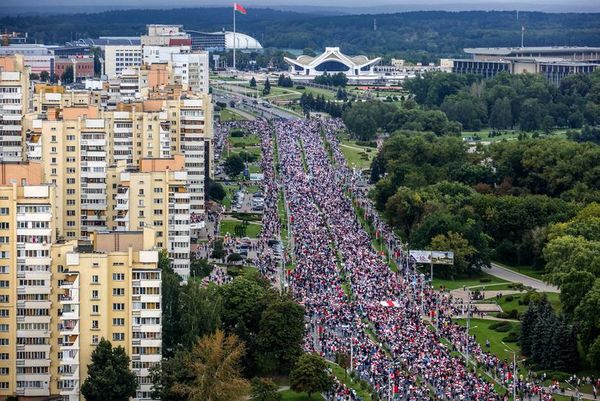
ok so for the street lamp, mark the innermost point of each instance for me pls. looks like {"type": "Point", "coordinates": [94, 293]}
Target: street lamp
{"type": "Point", "coordinates": [514, 383]}
{"type": "Point", "coordinates": [467, 342]}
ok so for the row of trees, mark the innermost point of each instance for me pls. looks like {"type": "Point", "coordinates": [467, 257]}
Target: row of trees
{"type": "Point", "coordinates": [527, 101]}
{"type": "Point", "coordinates": [365, 119]}
{"type": "Point", "coordinates": [337, 79]}
{"type": "Point", "coordinates": [548, 340]}
{"type": "Point", "coordinates": [309, 103]}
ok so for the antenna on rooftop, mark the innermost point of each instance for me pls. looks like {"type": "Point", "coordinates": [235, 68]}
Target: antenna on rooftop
{"type": "Point", "coordinates": [522, 34]}
{"type": "Point", "coordinates": [374, 24]}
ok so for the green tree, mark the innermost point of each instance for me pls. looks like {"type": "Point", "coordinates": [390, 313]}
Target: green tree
{"type": "Point", "coordinates": [264, 389]}
{"type": "Point", "coordinates": [216, 192]}
{"type": "Point", "coordinates": [586, 314]}
{"type": "Point", "coordinates": [170, 289]}
{"type": "Point", "coordinates": [200, 267]}
{"type": "Point", "coordinates": [267, 87]}
{"type": "Point", "coordinates": [214, 363]}
{"type": "Point", "coordinates": [280, 336]}
{"type": "Point", "coordinates": [233, 165]}
{"type": "Point", "coordinates": [168, 372]}
{"type": "Point", "coordinates": [68, 76]}
{"type": "Point", "coordinates": [200, 311]}
{"type": "Point", "coordinates": [253, 82]}
{"type": "Point", "coordinates": [463, 252]}
{"type": "Point", "coordinates": [501, 114]}
{"type": "Point", "coordinates": [109, 376]}
{"type": "Point", "coordinates": [310, 375]}
{"type": "Point", "coordinates": [44, 76]}
{"type": "Point", "coordinates": [34, 77]}
{"type": "Point", "coordinates": [531, 115]}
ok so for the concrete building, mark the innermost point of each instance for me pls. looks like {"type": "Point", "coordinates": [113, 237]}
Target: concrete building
{"type": "Point", "coordinates": [26, 233]}
{"type": "Point", "coordinates": [155, 194]}
{"type": "Point", "coordinates": [120, 57]}
{"type": "Point", "coordinates": [38, 58]}
{"type": "Point", "coordinates": [14, 104]}
{"type": "Point", "coordinates": [109, 288]}
{"type": "Point", "coordinates": [190, 70]}
{"type": "Point", "coordinates": [164, 35]}
{"type": "Point", "coordinates": [83, 66]}
{"type": "Point", "coordinates": [554, 62]}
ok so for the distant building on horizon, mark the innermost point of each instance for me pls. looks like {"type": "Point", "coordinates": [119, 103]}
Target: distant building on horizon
{"type": "Point", "coordinates": [553, 62]}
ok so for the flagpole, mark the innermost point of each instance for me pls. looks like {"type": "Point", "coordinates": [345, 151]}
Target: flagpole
{"type": "Point", "coordinates": [234, 44]}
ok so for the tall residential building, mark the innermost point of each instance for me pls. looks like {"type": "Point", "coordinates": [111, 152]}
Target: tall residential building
{"type": "Point", "coordinates": [120, 57]}
{"type": "Point", "coordinates": [14, 103]}
{"type": "Point", "coordinates": [110, 289]}
{"type": "Point", "coordinates": [191, 120]}
{"type": "Point", "coordinates": [26, 236]}
{"type": "Point", "coordinates": [156, 194]}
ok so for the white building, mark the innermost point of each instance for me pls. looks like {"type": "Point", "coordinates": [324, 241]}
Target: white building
{"type": "Point", "coordinates": [333, 61]}
{"type": "Point", "coordinates": [120, 57]}
{"type": "Point", "coordinates": [190, 70]}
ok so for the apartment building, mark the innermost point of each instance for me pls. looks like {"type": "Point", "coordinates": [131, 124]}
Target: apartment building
{"type": "Point", "coordinates": [26, 235]}
{"type": "Point", "coordinates": [191, 121]}
{"type": "Point", "coordinates": [108, 289]}
{"type": "Point", "coordinates": [14, 103]}
{"type": "Point", "coordinates": [156, 194]}
{"type": "Point", "coordinates": [120, 57]}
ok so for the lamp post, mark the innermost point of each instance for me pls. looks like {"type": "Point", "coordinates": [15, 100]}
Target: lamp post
{"type": "Point", "coordinates": [514, 383]}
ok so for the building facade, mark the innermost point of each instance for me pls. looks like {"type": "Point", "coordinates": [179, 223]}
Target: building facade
{"type": "Point", "coordinates": [120, 57]}
{"type": "Point", "coordinates": [14, 104]}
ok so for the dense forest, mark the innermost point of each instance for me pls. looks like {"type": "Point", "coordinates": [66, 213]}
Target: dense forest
{"type": "Point", "coordinates": [416, 36]}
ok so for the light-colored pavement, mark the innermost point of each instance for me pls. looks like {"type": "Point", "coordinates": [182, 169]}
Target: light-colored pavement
{"type": "Point", "coordinates": [515, 277]}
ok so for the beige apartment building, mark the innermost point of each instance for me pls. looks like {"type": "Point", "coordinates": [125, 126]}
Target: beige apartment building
{"type": "Point", "coordinates": [156, 194]}
{"type": "Point", "coordinates": [107, 289]}
{"type": "Point", "coordinates": [14, 103]}
{"type": "Point", "coordinates": [58, 298]}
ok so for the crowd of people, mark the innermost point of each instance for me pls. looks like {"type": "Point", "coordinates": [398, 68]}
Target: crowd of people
{"type": "Point", "coordinates": [396, 330]}
{"type": "Point", "coordinates": [404, 351]}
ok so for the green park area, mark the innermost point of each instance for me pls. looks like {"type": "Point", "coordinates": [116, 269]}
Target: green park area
{"type": "Point", "coordinates": [357, 155]}
{"type": "Point", "coordinates": [479, 281]}
{"type": "Point", "coordinates": [497, 333]}
{"type": "Point", "coordinates": [252, 229]}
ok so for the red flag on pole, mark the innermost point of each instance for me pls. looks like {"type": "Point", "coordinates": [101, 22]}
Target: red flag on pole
{"type": "Point", "coordinates": [238, 7]}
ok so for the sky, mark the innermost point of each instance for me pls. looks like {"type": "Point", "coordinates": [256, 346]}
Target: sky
{"type": "Point", "coordinates": [344, 6]}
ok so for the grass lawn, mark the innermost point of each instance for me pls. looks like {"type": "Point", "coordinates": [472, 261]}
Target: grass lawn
{"type": "Point", "coordinates": [253, 150]}
{"type": "Point", "coordinates": [228, 226]}
{"type": "Point", "coordinates": [481, 329]}
{"type": "Point", "coordinates": [254, 168]}
{"type": "Point", "coordinates": [466, 281]}
{"type": "Point", "coordinates": [289, 395]}
{"type": "Point", "coordinates": [228, 115]}
{"type": "Point", "coordinates": [359, 156]}
{"type": "Point", "coordinates": [230, 190]}
{"type": "Point", "coordinates": [247, 140]}
{"type": "Point", "coordinates": [526, 270]}
{"type": "Point", "coordinates": [345, 378]}
{"type": "Point", "coordinates": [507, 306]}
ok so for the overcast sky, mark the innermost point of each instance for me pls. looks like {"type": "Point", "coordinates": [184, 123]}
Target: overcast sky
{"type": "Point", "coordinates": [376, 5]}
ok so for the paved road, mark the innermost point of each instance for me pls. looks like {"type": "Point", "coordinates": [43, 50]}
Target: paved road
{"type": "Point", "coordinates": [515, 277]}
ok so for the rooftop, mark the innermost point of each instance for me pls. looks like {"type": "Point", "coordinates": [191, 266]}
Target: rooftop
{"type": "Point", "coordinates": [505, 51]}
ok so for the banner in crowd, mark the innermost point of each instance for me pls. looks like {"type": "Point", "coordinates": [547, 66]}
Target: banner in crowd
{"type": "Point", "coordinates": [442, 258]}
{"type": "Point", "coordinates": [420, 256]}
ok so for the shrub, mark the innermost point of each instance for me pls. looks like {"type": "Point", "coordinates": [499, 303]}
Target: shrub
{"type": "Point", "coordinates": [222, 105]}
{"type": "Point", "coordinates": [501, 327]}
{"type": "Point", "coordinates": [237, 133]}
{"type": "Point", "coordinates": [369, 144]}
{"type": "Point", "coordinates": [555, 375]}
{"type": "Point", "coordinates": [509, 298]}
{"type": "Point", "coordinates": [300, 87]}
{"type": "Point", "coordinates": [512, 337]}
{"type": "Point", "coordinates": [485, 280]}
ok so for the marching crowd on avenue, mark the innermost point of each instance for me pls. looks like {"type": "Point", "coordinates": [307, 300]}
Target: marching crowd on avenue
{"type": "Point", "coordinates": [397, 331]}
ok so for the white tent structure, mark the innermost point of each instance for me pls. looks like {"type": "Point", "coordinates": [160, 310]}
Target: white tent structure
{"type": "Point", "coordinates": [333, 61]}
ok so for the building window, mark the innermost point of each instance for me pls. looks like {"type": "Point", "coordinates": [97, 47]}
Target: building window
{"type": "Point", "coordinates": [118, 336]}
